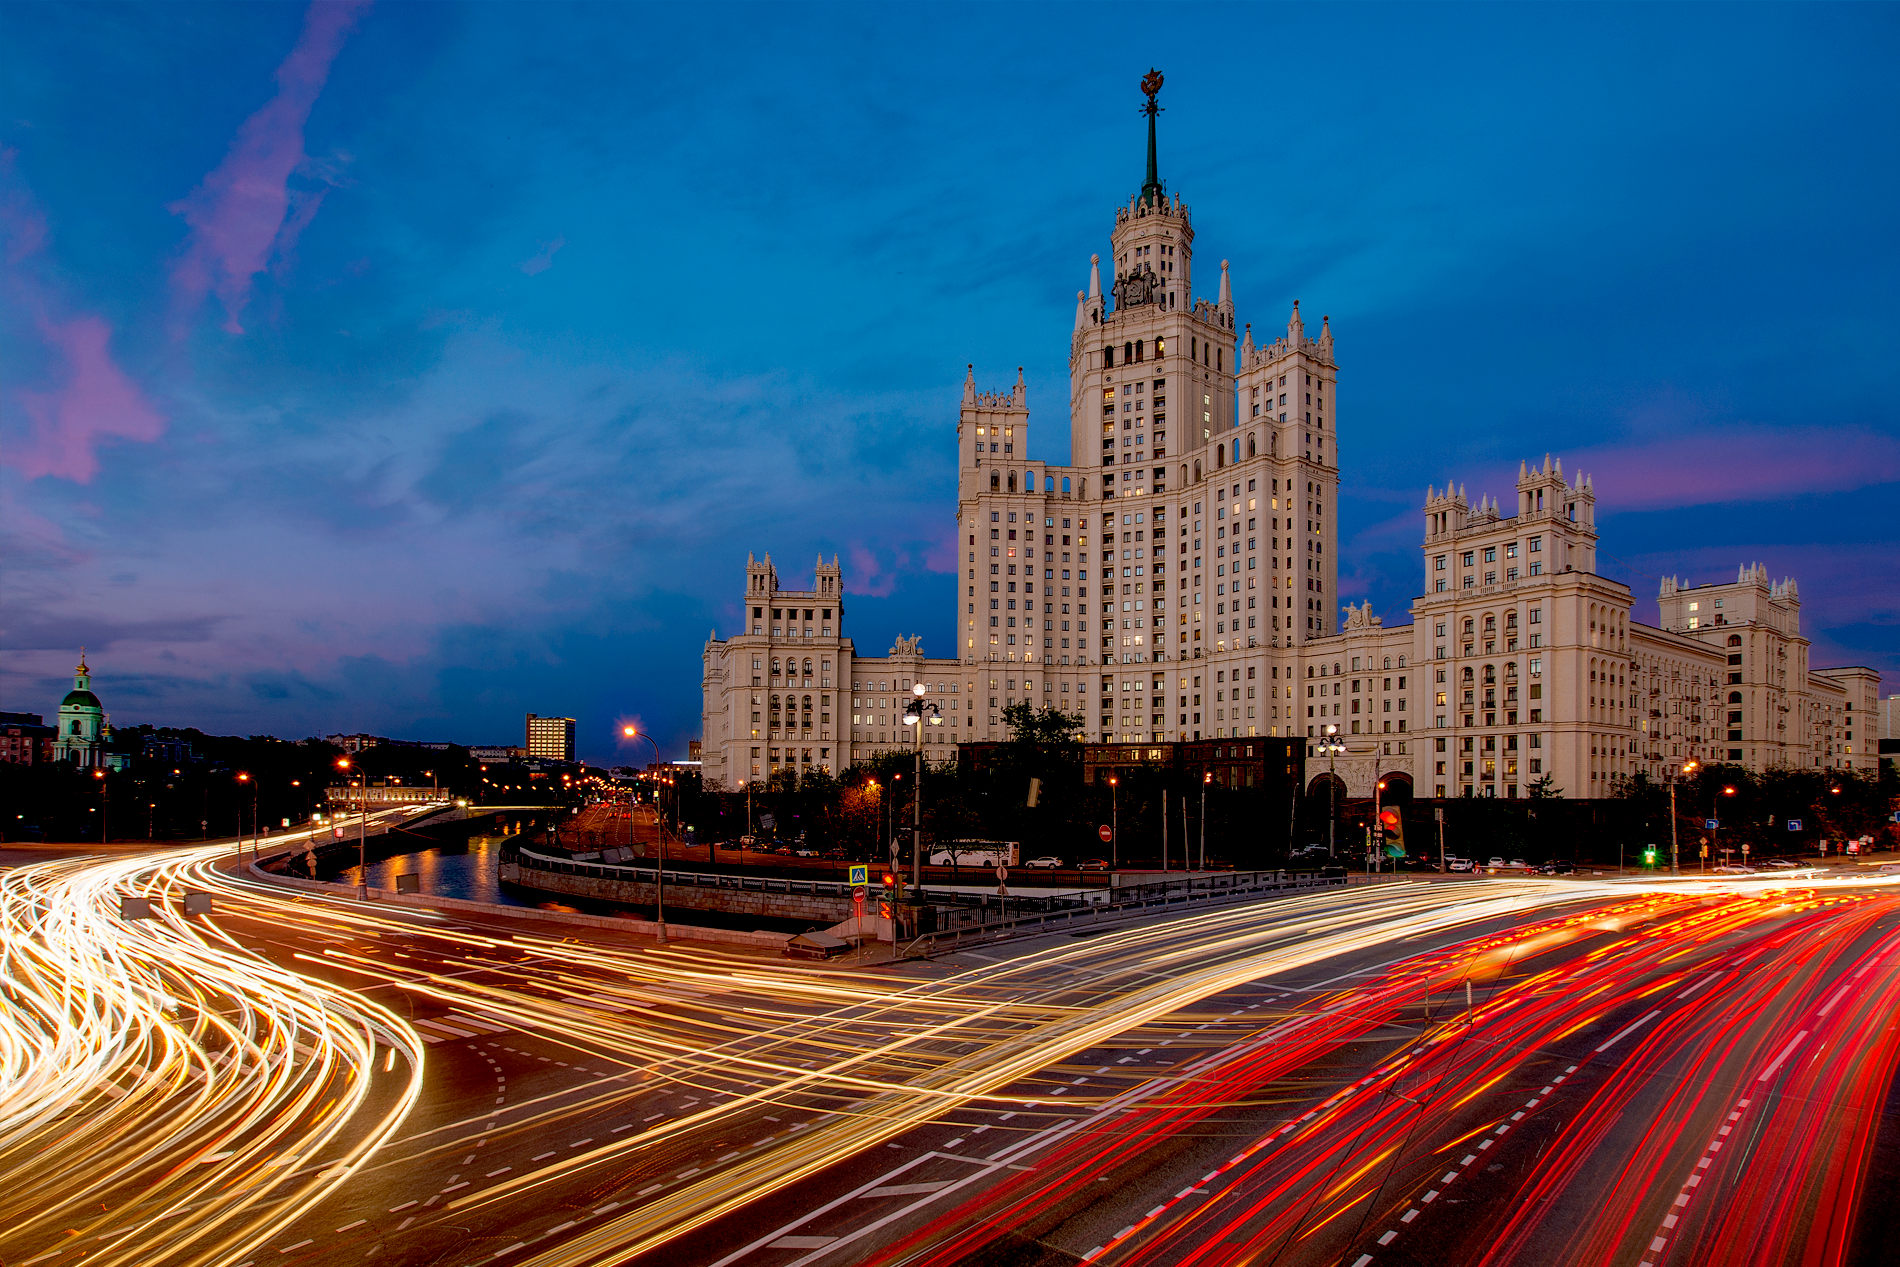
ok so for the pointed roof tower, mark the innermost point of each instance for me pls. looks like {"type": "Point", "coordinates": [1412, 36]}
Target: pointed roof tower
{"type": "Point", "coordinates": [1151, 192]}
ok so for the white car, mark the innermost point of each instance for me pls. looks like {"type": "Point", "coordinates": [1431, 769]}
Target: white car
{"type": "Point", "coordinates": [1044, 862]}
{"type": "Point", "coordinates": [1731, 870]}
{"type": "Point", "coordinates": [1458, 864]}
{"type": "Point", "coordinates": [1495, 864]}
{"type": "Point", "coordinates": [1784, 864]}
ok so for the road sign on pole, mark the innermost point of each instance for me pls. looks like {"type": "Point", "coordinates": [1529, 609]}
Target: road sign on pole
{"type": "Point", "coordinates": [1106, 832]}
{"type": "Point", "coordinates": [1002, 875]}
{"type": "Point", "coordinates": [860, 874]}
{"type": "Point", "coordinates": [1711, 823]}
{"type": "Point", "coordinates": [1794, 824]}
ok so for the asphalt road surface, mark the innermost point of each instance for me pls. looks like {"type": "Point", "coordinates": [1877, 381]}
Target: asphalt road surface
{"type": "Point", "coordinates": [1500, 1071]}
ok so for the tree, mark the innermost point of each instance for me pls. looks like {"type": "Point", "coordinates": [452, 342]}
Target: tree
{"type": "Point", "coordinates": [1541, 790]}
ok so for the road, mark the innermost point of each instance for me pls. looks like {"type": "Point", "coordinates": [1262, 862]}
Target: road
{"type": "Point", "coordinates": [1496, 1071]}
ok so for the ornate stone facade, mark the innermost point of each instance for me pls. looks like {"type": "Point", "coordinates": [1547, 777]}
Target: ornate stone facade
{"type": "Point", "coordinates": [1178, 579]}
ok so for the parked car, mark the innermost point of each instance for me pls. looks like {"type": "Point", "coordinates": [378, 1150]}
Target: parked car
{"type": "Point", "coordinates": [1731, 870]}
{"type": "Point", "coordinates": [1518, 864]}
{"type": "Point", "coordinates": [1783, 864]}
{"type": "Point", "coordinates": [1458, 864]}
{"type": "Point", "coordinates": [1044, 862]}
{"type": "Point", "coordinates": [804, 853]}
{"type": "Point", "coordinates": [1092, 864]}
{"type": "Point", "coordinates": [1495, 864]}
{"type": "Point", "coordinates": [1562, 866]}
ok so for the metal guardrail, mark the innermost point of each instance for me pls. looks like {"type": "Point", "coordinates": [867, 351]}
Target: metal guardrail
{"type": "Point", "coordinates": [1159, 892]}
{"type": "Point", "coordinates": [1096, 912]}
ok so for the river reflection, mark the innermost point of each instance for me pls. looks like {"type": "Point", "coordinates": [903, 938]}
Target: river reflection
{"type": "Point", "coordinates": [470, 871]}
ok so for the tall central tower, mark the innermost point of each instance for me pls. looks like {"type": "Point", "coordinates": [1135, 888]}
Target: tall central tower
{"type": "Point", "coordinates": [1151, 370]}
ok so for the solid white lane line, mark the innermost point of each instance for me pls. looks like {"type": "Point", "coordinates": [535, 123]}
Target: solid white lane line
{"type": "Point", "coordinates": [1627, 1030]}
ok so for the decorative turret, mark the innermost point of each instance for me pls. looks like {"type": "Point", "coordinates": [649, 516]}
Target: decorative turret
{"type": "Point", "coordinates": [1226, 301]}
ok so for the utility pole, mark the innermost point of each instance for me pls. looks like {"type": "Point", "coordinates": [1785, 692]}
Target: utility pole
{"type": "Point", "coordinates": [1164, 835]}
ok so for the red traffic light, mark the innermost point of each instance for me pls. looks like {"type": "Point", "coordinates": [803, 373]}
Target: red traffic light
{"type": "Point", "coordinates": [1389, 819]}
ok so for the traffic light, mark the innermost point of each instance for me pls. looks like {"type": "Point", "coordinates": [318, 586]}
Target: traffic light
{"type": "Point", "coordinates": [1392, 829]}
{"type": "Point", "coordinates": [1649, 855]}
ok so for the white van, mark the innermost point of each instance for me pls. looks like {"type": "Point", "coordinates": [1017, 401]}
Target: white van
{"type": "Point", "coordinates": [976, 853]}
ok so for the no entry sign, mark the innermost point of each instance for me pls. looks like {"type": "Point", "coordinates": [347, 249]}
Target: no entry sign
{"type": "Point", "coordinates": [1106, 832]}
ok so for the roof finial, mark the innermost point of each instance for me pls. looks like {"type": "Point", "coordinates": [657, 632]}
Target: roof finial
{"type": "Point", "coordinates": [1151, 188]}
{"type": "Point", "coordinates": [82, 662]}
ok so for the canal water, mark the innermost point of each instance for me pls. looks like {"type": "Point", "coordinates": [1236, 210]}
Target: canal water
{"type": "Point", "coordinates": [472, 872]}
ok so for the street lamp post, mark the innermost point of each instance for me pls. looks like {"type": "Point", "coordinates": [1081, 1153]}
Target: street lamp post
{"type": "Point", "coordinates": [659, 873]}
{"type": "Point", "coordinates": [1674, 859]}
{"type": "Point", "coordinates": [1332, 747]}
{"type": "Point", "coordinates": [919, 713]}
{"type": "Point", "coordinates": [1114, 826]}
{"type": "Point", "coordinates": [244, 777]}
{"type": "Point", "coordinates": [362, 832]}
{"type": "Point", "coordinates": [105, 802]}
{"type": "Point", "coordinates": [1206, 779]}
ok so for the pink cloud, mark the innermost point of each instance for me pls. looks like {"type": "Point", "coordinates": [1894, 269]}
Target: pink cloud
{"type": "Point", "coordinates": [1736, 464]}
{"type": "Point", "coordinates": [97, 402]}
{"type": "Point", "coordinates": [243, 210]}
{"type": "Point", "coordinates": [544, 260]}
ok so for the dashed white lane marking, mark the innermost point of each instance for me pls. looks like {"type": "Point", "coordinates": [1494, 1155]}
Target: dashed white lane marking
{"type": "Point", "coordinates": [347, 1226]}
{"type": "Point", "coordinates": [903, 1190]}
{"type": "Point", "coordinates": [1787, 1051]}
{"type": "Point", "coordinates": [1623, 1033]}
{"type": "Point", "coordinates": [299, 1245]}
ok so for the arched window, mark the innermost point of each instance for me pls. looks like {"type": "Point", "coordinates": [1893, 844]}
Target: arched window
{"type": "Point", "coordinates": [1081, 488]}
{"type": "Point", "coordinates": [1197, 472]}
{"type": "Point", "coordinates": [1220, 456]}
{"type": "Point", "coordinates": [1065, 483]}
{"type": "Point", "coordinates": [1388, 662]}
{"type": "Point", "coordinates": [1309, 670]}
{"type": "Point", "coordinates": [808, 703]}
{"type": "Point", "coordinates": [1251, 450]}
{"type": "Point", "coordinates": [1335, 666]}
{"type": "Point", "coordinates": [995, 481]}
{"type": "Point", "coordinates": [775, 670]}
{"type": "Point", "coordinates": [807, 666]}
{"type": "Point", "coordinates": [1734, 697]}
{"type": "Point", "coordinates": [1735, 640]}
{"type": "Point", "coordinates": [775, 703]}
{"type": "Point", "coordinates": [1468, 674]}
{"type": "Point", "coordinates": [1012, 481]}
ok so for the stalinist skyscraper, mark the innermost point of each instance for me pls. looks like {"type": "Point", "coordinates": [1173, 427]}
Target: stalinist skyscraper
{"type": "Point", "coordinates": [1178, 581]}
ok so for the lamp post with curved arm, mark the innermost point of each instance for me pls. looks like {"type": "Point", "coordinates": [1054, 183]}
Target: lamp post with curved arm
{"type": "Point", "coordinates": [659, 874]}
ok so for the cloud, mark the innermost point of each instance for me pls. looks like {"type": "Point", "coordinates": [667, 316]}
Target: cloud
{"type": "Point", "coordinates": [1746, 463]}
{"type": "Point", "coordinates": [543, 260]}
{"type": "Point", "coordinates": [97, 402]}
{"type": "Point", "coordinates": [245, 210]}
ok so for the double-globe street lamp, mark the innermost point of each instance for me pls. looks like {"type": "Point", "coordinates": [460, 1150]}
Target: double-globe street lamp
{"type": "Point", "coordinates": [659, 874]}
{"type": "Point", "coordinates": [919, 712]}
{"type": "Point", "coordinates": [1332, 747]}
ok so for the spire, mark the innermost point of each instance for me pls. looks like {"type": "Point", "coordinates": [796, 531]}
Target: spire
{"type": "Point", "coordinates": [1151, 188]}
{"type": "Point", "coordinates": [1022, 389]}
{"type": "Point", "coordinates": [1226, 299]}
{"type": "Point", "coordinates": [1246, 340]}
{"type": "Point", "coordinates": [1295, 328]}
{"type": "Point", "coordinates": [82, 669]}
{"type": "Point", "coordinates": [1326, 336]}
{"type": "Point", "coordinates": [1095, 277]}
{"type": "Point", "coordinates": [969, 385]}
{"type": "Point", "coordinates": [1081, 310]}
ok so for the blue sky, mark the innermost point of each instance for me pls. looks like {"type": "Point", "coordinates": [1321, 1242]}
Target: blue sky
{"type": "Point", "coordinates": [405, 368]}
